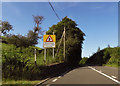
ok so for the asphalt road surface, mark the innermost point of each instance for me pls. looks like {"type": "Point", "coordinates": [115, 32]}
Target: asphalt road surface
{"type": "Point", "coordinates": [87, 76]}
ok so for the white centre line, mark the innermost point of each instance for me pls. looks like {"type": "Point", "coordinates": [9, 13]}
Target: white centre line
{"type": "Point", "coordinates": [54, 80]}
{"type": "Point", "coordinates": [105, 75]}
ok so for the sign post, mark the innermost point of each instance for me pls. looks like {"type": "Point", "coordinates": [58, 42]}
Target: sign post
{"type": "Point", "coordinates": [53, 48]}
{"type": "Point", "coordinates": [64, 44]}
{"type": "Point", "coordinates": [35, 56]}
{"type": "Point", "coordinates": [44, 53]}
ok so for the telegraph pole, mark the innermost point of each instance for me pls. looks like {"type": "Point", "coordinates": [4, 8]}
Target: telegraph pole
{"type": "Point", "coordinates": [53, 48]}
{"type": "Point", "coordinates": [64, 43]}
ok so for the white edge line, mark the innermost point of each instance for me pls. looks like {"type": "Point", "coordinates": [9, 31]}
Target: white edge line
{"type": "Point", "coordinates": [59, 77]}
{"type": "Point", "coordinates": [54, 80]}
{"type": "Point", "coordinates": [105, 75]}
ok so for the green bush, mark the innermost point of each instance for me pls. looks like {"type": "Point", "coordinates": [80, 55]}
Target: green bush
{"type": "Point", "coordinates": [18, 62]}
{"type": "Point", "coordinates": [83, 61]}
{"type": "Point", "coordinates": [21, 41]}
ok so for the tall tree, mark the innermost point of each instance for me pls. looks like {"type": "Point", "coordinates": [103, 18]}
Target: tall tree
{"type": "Point", "coordinates": [74, 39]}
{"type": "Point", "coordinates": [38, 20]}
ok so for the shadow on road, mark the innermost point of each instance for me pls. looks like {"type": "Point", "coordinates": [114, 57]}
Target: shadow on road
{"type": "Point", "coordinates": [57, 70]}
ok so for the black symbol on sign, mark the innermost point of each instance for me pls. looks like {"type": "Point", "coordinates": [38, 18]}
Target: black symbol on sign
{"type": "Point", "coordinates": [49, 39]}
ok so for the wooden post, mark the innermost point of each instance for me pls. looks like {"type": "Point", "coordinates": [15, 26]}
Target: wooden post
{"type": "Point", "coordinates": [45, 53]}
{"type": "Point", "coordinates": [53, 48]}
{"type": "Point", "coordinates": [64, 43]}
{"type": "Point", "coordinates": [35, 56]}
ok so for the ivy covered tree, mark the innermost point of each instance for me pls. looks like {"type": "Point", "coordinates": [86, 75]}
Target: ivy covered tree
{"type": "Point", "coordinates": [74, 39]}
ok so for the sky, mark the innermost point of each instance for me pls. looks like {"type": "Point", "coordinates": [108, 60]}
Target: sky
{"type": "Point", "coordinates": [98, 20]}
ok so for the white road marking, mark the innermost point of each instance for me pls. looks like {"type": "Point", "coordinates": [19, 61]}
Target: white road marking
{"type": "Point", "coordinates": [113, 76]}
{"type": "Point", "coordinates": [54, 80]}
{"type": "Point", "coordinates": [59, 77]}
{"type": "Point", "coordinates": [105, 75]}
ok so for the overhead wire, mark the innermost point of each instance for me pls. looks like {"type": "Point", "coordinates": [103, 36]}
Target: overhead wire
{"type": "Point", "coordinates": [63, 31]}
{"type": "Point", "coordinates": [54, 10]}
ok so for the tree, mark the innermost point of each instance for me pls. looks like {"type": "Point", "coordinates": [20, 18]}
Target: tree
{"type": "Point", "coordinates": [108, 46]}
{"type": "Point", "coordinates": [32, 38]}
{"type": "Point", "coordinates": [6, 27]}
{"type": "Point", "coordinates": [17, 40]}
{"type": "Point", "coordinates": [84, 59]}
{"type": "Point", "coordinates": [74, 40]}
{"type": "Point", "coordinates": [37, 29]}
{"type": "Point", "coordinates": [38, 20]}
{"type": "Point", "coordinates": [98, 50]}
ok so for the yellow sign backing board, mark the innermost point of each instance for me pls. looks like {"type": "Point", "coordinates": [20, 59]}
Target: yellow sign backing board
{"type": "Point", "coordinates": [46, 38]}
{"type": "Point", "coordinates": [49, 41]}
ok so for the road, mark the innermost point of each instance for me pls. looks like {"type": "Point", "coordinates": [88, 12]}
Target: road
{"type": "Point", "coordinates": [87, 76]}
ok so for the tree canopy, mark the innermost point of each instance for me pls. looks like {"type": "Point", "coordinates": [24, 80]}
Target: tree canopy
{"type": "Point", "coordinates": [105, 56]}
{"type": "Point", "coordinates": [6, 27]}
{"type": "Point", "coordinates": [31, 39]}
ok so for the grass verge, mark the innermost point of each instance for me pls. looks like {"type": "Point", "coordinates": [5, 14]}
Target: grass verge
{"type": "Point", "coordinates": [20, 82]}
{"type": "Point", "coordinates": [111, 65]}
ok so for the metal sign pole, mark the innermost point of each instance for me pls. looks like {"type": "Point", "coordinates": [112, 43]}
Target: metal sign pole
{"type": "Point", "coordinates": [53, 48]}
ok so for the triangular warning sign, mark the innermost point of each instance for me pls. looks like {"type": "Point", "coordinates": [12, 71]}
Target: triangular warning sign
{"type": "Point", "coordinates": [49, 39]}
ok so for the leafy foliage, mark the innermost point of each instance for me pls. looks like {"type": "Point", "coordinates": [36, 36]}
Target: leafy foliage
{"type": "Point", "coordinates": [84, 59]}
{"type": "Point", "coordinates": [22, 41]}
{"type": "Point", "coordinates": [32, 38]}
{"type": "Point", "coordinates": [106, 56]}
{"type": "Point", "coordinates": [6, 27]}
{"type": "Point", "coordinates": [18, 62]}
{"type": "Point", "coordinates": [74, 40]}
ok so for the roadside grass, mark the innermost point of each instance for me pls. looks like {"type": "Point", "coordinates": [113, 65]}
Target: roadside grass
{"type": "Point", "coordinates": [111, 65]}
{"type": "Point", "coordinates": [40, 60]}
{"type": "Point", "coordinates": [20, 82]}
